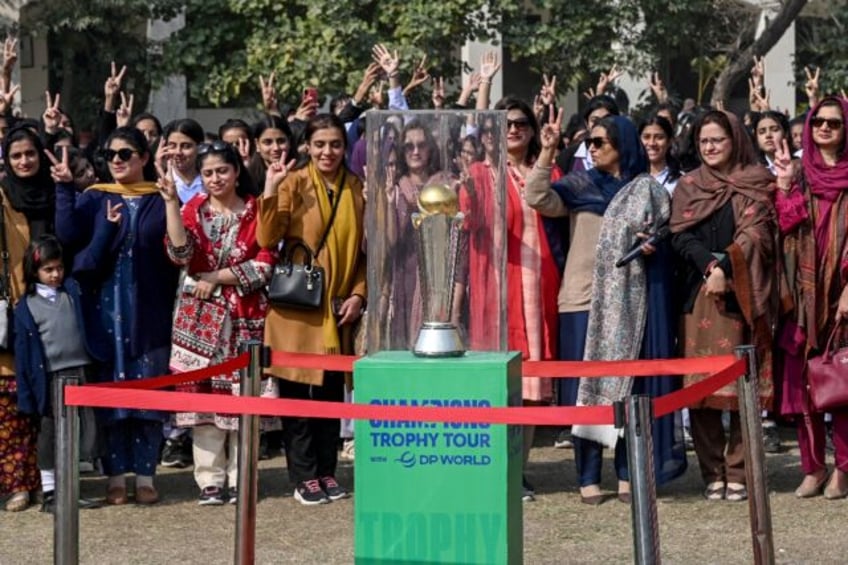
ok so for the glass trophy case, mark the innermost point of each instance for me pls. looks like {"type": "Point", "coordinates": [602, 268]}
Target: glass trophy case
{"type": "Point", "coordinates": [435, 228]}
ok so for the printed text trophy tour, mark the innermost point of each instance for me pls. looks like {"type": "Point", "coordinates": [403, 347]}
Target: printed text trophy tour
{"type": "Point", "coordinates": [438, 230]}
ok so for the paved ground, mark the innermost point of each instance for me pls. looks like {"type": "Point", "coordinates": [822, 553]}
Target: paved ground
{"type": "Point", "coordinates": [557, 528]}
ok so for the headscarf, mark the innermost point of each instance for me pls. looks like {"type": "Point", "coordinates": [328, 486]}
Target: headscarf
{"type": "Point", "coordinates": [596, 194]}
{"type": "Point", "coordinates": [705, 190]}
{"type": "Point", "coordinates": [33, 196]}
{"type": "Point", "coordinates": [825, 182]}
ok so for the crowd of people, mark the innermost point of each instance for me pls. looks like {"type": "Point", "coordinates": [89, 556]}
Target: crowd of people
{"type": "Point", "coordinates": [150, 249]}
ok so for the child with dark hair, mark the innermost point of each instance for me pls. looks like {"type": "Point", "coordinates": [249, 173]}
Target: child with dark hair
{"type": "Point", "coordinates": [49, 342]}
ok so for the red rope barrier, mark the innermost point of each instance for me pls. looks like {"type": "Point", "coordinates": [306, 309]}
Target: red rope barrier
{"type": "Point", "coordinates": [549, 369]}
{"type": "Point", "coordinates": [152, 383]}
{"type": "Point", "coordinates": [182, 401]}
{"type": "Point", "coordinates": [687, 396]}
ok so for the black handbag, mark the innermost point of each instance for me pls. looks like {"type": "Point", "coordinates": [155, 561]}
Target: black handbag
{"type": "Point", "coordinates": [301, 285]}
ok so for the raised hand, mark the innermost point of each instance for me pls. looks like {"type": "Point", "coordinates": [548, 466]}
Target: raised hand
{"type": "Point", "coordinates": [7, 97]}
{"type": "Point", "coordinates": [275, 174]}
{"type": "Point", "coordinates": [124, 111]}
{"type": "Point", "coordinates": [439, 93]}
{"type": "Point", "coordinates": [269, 93]}
{"type": "Point", "coordinates": [243, 148]}
{"type": "Point", "coordinates": [52, 116]}
{"type": "Point", "coordinates": [419, 77]}
{"type": "Point", "coordinates": [658, 87]}
{"type": "Point", "coordinates": [113, 211]}
{"type": "Point", "coordinates": [547, 95]}
{"type": "Point", "coordinates": [165, 183]}
{"type": "Point", "coordinates": [112, 86]}
{"type": "Point", "coordinates": [784, 167]}
{"type": "Point", "coordinates": [607, 79]}
{"type": "Point", "coordinates": [388, 62]}
{"type": "Point", "coordinates": [372, 73]}
{"type": "Point", "coordinates": [489, 66]}
{"type": "Point", "coordinates": [550, 133]}
{"type": "Point", "coordinates": [306, 110]}
{"type": "Point", "coordinates": [375, 96]}
{"type": "Point", "coordinates": [59, 170]}
{"type": "Point", "coordinates": [10, 53]}
{"type": "Point", "coordinates": [811, 87]}
{"type": "Point", "coordinates": [758, 71]}
{"type": "Point", "coordinates": [589, 93]}
{"type": "Point", "coordinates": [763, 102]}
{"type": "Point", "coordinates": [538, 108]}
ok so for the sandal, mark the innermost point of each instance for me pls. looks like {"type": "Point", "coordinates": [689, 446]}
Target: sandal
{"type": "Point", "coordinates": [809, 489]}
{"type": "Point", "coordinates": [715, 491]}
{"type": "Point", "coordinates": [736, 492]}
{"type": "Point", "coordinates": [18, 501]}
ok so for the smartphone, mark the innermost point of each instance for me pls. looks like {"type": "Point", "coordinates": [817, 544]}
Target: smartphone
{"type": "Point", "coordinates": [310, 94]}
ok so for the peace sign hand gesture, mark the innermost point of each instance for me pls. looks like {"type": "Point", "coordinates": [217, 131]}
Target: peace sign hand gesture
{"type": "Point", "coordinates": [784, 167]}
{"type": "Point", "coordinates": [438, 93]}
{"type": "Point", "coordinates": [547, 96]}
{"type": "Point", "coordinates": [275, 174]}
{"type": "Point", "coordinates": [124, 112]}
{"type": "Point", "coordinates": [166, 185]}
{"type": "Point", "coordinates": [658, 87]}
{"type": "Point", "coordinates": [113, 82]}
{"type": "Point", "coordinates": [7, 97]}
{"type": "Point", "coordinates": [52, 116]}
{"type": "Point", "coordinates": [269, 93]}
{"type": "Point", "coordinates": [812, 85]}
{"type": "Point", "coordinates": [113, 211]}
{"type": "Point", "coordinates": [606, 79]}
{"type": "Point", "coordinates": [549, 136]}
{"type": "Point", "coordinates": [419, 77]}
{"type": "Point", "coordinates": [758, 71]}
{"type": "Point", "coordinates": [10, 53]}
{"type": "Point", "coordinates": [60, 171]}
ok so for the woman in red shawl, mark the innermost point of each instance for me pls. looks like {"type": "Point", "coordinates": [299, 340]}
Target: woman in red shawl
{"type": "Point", "coordinates": [532, 273]}
{"type": "Point", "coordinates": [723, 232]}
{"type": "Point", "coordinates": [813, 217]}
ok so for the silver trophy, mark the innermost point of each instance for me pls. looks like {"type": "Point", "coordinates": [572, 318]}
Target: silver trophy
{"type": "Point", "coordinates": [438, 230]}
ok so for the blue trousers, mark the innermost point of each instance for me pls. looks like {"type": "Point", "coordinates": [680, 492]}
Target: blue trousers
{"type": "Point", "coordinates": [588, 455]}
{"type": "Point", "coordinates": [132, 446]}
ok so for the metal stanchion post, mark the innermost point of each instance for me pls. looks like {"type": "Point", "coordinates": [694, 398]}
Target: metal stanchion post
{"type": "Point", "coordinates": [640, 461]}
{"type": "Point", "coordinates": [248, 459]}
{"type": "Point", "coordinates": [755, 469]}
{"type": "Point", "coordinates": [66, 517]}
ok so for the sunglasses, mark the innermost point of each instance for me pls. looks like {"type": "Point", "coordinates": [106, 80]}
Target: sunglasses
{"type": "Point", "coordinates": [124, 154]}
{"type": "Point", "coordinates": [832, 123]}
{"type": "Point", "coordinates": [596, 142]}
{"type": "Point", "coordinates": [520, 123]}
{"type": "Point", "coordinates": [216, 146]}
{"type": "Point", "coordinates": [409, 147]}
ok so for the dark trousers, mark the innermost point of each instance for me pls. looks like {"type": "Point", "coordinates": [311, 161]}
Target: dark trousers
{"type": "Point", "coordinates": [588, 455]}
{"type": "Point", "coordinates": [720, 455]}
{"type": "Point", "coordinates": [132, 446]}
{"type": "Point", "coordinates": [312, 443]}
{"type": "Point", "coordinates": [87, 430]}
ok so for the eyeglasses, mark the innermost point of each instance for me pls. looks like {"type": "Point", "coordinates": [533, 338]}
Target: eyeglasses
{"type": "Point", "coordinates": [124, 154]}
{"type": "Point", "coordinates": [409, 146]}
{"type": "Point", "coordinates": [832, 123]}
{"type": "Point", "coordinates": [596, 142]}
{"type": "Point", "coordinates": [520, 123]}
{"type": "Point", "coordinates": [216, 146]}
{"type": "Point", "coordinates": [714, 141]}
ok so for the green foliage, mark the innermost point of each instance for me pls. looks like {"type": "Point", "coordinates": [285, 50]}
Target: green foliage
{"type": "Point", "coordinates": [823, 42]}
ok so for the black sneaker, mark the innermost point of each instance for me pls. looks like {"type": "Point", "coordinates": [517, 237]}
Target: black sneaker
{"type": "Point", "coordinates": [48, 504]}
{"type": "Point", "coordinates": [528, 493]}
{"type": "Point", "coordinates": [211, 496]}
{"type": "Point", "coordinates": [332, 489]}
{"type": "Point", "coordinates": [232, 495]}
{"type": "Point", "coordinates": [771, 439]}
{"type": "Point", "coordinates": [309, 493]}
{"type": "Point", "coordinates": [173, 454]}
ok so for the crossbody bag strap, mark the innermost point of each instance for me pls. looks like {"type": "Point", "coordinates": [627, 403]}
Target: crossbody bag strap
{"type": "Point", "coordinates": [332, 216]}
{"type": "Point", "coordinates": [5, 291]}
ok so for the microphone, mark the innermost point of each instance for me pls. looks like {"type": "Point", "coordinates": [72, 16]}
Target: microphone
{"type": "Point", "coordinates": [636, 250]}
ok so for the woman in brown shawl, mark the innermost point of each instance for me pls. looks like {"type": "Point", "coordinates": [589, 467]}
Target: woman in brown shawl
{"type": "Point", "coordinates": [722, 221]}
{"type": "Point", "coordinates": [812, 210]}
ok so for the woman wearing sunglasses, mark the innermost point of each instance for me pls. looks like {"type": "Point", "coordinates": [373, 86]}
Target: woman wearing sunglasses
{"type": "Point", "coordinates": [214, 237]}
{"type": "Point", "coordinates": [27, 206]}
{"type": "Point", "coordinates": [723, 232]}
{"type": "Point", "coordinates": [298, 208]}
{"type": "Point", "coordinates": [534, 257]}
{"type": "Point", "coordinates": [115, 233]}
{"type": "Point", "coordinates": [812, 204]}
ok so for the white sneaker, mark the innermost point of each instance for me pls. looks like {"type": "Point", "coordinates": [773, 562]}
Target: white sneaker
{"type": "Point", "coordinates": [347, 452]}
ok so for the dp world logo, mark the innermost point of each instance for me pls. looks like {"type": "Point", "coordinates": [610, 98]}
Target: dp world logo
{"type": "Point", "coordinates": [407, 459]}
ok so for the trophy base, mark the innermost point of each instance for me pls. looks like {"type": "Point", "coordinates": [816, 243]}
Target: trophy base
{"type": "Point", "coordinates": [437, 339]}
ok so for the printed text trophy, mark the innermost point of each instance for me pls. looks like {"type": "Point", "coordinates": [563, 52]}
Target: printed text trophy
{"type": "Point", "coordinates": [438, 230]}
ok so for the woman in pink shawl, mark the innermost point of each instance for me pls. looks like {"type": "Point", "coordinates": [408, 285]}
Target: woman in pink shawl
{"type": "Point", "coordinates": [812, 212]}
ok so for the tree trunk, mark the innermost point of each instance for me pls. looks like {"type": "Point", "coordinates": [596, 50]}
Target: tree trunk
{"type": "Point", "coordinates": [741, 61]}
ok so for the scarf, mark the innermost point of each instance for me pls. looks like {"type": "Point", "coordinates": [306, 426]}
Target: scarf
{"type": "Point", "coordinates": [619, 296]}
{"type": "Point", "coordinates": [342, 246]}
{"type": "Point", "coordinates": [592, 191]}
{"type": "Point", "coordinates": [34, 197]}
{"type": "Point", "coordinates": [133, 189]}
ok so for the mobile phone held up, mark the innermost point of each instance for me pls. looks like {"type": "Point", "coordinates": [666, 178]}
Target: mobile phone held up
{"type": "Point", "coordinates": [310, 95]}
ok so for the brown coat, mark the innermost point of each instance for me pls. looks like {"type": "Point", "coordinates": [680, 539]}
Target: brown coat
{"type": "Point", "coordinates": [17, 240]}
{"type": "Point", "coordinates": [293, 214]}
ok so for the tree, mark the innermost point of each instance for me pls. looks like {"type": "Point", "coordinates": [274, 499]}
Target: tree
{"type": "Point", "coordinates": [822, 42]}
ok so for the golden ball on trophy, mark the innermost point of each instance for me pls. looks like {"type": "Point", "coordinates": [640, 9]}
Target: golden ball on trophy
{"type": "Point", "coordinates": [438, 199]}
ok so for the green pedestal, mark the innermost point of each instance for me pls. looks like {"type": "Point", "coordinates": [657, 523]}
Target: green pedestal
{"type": "Point", "coordinates": [435, 492]}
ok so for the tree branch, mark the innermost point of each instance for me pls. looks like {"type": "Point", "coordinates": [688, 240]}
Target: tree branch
{"type": "Point", "coordinates": [740, 62]}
